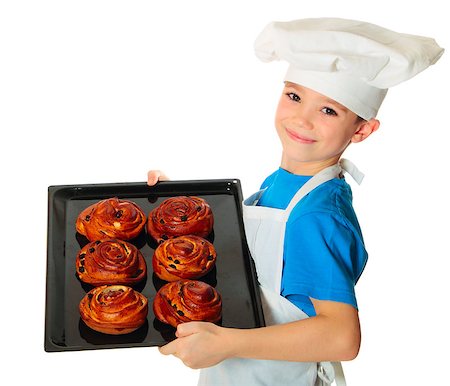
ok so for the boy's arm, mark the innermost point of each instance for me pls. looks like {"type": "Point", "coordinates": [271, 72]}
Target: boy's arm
{"type": "Point", "coordinates": [332, 335]}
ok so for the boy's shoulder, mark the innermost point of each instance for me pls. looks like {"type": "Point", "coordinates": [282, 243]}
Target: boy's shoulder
{"type": "Point", "coordinates": [333, 197]}
{"type": "Point", "coordinates": [329, 205]}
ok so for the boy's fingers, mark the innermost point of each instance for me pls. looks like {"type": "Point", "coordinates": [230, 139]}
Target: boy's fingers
{"type": "Point", "coordinates": [168, 349]}
{"type": "Point", "coordinates": [162, 176]}
{"type": "Point", "coordinates": [185, 329]}
{"type": "Point", "coordinates": [153, 176]}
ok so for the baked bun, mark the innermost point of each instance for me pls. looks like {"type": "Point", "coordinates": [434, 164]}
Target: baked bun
{"type": "Point", "coordinates": [110, 261]}
{"type": "Point", "coordinates": [111, 218]}
{"type": "Point", "coordinates": [178, 216]}
{"type": "Point", "coordinates": [114, 309]}
{"type": "Point", "coordinates": [184, 257]}
{"type": "Point", "coordinates": [187, 300]}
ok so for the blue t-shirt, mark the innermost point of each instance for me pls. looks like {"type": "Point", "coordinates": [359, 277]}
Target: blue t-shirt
{"type": "Point", "coordinates": [324, 253]}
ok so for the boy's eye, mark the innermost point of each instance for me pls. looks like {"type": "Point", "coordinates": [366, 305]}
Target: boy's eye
{"type": "Point", "coordinates": [329, 111]}
{"type": "Point", "coordinates": [293, 96]}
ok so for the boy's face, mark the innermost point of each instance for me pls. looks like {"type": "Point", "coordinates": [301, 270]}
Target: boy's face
{"type": "Point", "coordinates": [314, 130]}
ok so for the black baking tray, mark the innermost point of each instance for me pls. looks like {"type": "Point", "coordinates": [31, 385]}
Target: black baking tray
{"type": "Point", "coordinates": [234, 275]}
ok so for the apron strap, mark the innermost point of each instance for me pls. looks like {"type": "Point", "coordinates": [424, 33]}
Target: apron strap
{"type": "Point", "coordinates": [329, 371]}
{"type": "Point", "coordinates": [351, 169]}
{"type": "Point", "coordinates": [323, 176]}
{"type": "Point", "coordinates": [339, 377]}
{"type": "Point", "coordinates": [327, 174]}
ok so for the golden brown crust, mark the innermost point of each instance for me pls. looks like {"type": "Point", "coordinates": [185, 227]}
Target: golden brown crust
{"type": "Point", "coordinates": [178, 216]}
{"type": "Point", "coordinates": [110, 261]}
{"type": "Point", "coordinates": [111, 218]}
{"type": "Point", "coordinates": [114, 309]}
{"type": "Point", "coordinates": [184, 257]}
{"type": "Point", "coordinates": [187, 300]}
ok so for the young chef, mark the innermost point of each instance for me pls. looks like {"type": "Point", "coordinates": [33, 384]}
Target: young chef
{"type": "Point", "coordinates": [301, 227]}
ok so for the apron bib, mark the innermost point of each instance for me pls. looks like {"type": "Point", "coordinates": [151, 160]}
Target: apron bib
{"type": "Point", "coordinates": [265, 230]}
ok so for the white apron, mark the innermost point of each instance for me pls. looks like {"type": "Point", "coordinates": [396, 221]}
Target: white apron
{"type": "Point", "coordinates": [265, 230]}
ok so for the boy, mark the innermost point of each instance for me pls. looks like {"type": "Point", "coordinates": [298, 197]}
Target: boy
{"type": "Point", "coordinates": [301, 228]}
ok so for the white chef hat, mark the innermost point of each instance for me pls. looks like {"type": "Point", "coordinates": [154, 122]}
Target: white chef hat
{"type": "Point", "coordinates": [352, 62]}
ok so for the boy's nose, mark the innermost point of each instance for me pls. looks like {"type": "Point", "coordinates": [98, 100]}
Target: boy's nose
{"type": "Point", "coordinates": [302, 120]}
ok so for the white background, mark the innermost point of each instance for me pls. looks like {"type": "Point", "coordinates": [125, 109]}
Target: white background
{"type": "Point", "coordinates": [102, 91]}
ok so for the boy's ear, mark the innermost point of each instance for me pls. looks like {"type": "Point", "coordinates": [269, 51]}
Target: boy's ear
{"type": "Point", "coordinates": [365, 129]}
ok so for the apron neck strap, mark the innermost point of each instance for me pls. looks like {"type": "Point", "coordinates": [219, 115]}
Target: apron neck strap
{"type": "Point", "coordinates": [323, 176]}
{"type": "Point", "coordinates": [351, 169]}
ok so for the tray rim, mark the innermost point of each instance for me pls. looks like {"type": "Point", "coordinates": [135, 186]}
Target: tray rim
{"type": "Point", "coordinates": [160, 187]}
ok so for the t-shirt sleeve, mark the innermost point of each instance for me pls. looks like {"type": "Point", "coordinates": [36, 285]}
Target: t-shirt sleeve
{"type": "Point", "coordinates": [323, 258]}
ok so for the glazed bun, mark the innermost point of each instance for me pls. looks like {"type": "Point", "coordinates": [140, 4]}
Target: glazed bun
{"type": "Point", "coordinates": [187, 300]}
{"type": "Point", "coordinates": [184, 257]}
{"type": "Point", "coordinates": [110, 261]}
{"type": "Point", "coordinates": [114, 309]}
{"type": "Point", "coordinates": [111, 218]}
{"type": "Point", "coordinates": [179, 216]}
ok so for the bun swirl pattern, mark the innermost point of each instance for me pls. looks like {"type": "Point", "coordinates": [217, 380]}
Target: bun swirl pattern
{"type": "Point", "coordinates": [111, 218]}
{"type": "Point", "coordinates": [178, 216]}
{"type": "Point", "coordinates": [114, 309]}
{"type": "Point", "coordinates": [184, 257]}
{"type": "Point", "coordinates": [110, 261]}
{"type": "Point", "coordinates": [187, 300]}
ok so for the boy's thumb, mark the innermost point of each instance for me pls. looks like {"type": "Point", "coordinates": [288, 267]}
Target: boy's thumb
{"type": "Point", "coordinates": [185, 329]}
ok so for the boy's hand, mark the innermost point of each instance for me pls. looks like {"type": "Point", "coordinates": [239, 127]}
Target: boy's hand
{"type": "Point", "coordinates": [199, 344]}
{"type": "Point", "coordinates": [153, 176]}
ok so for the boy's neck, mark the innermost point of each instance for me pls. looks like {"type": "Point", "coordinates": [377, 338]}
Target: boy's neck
{"type": "Point", "coordinates": [310, 168]}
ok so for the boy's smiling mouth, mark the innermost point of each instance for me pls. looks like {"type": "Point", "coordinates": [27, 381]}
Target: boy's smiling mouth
{"type": "Point", "coordinates": [299, 138]}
